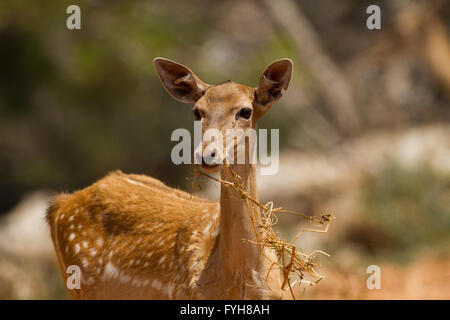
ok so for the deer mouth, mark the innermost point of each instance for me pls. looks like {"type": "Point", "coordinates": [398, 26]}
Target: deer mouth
{"type": "Point", "coordinates": [210, 167]}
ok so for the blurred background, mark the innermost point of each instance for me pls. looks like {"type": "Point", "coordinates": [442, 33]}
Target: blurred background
{"type": "Point", "coordinates": [364, 126]}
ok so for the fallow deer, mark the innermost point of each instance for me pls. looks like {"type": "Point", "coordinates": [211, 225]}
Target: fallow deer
{"type": "Point", "coordinates": [135, 238]}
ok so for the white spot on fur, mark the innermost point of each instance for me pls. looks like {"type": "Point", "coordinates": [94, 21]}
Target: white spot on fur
{"type": "Point", "coordinates": [157, 284]}
{"type": "Point", "coordinates": [85, 244]}
{"type": "Point", "coordinates": [72, 236]}
{"type": "Point", "coordinates": [77, 248]}
{"type": "Point", "coordinates": [192, 282]}
{"type": "Point", "coordinates": [131, 181]}
{"type": "Point", "coordinates": [216, 232]}
{"type": "Point", "coordinates": [207, 228]}
{"type": "Point", "coordinates": [99, 241]}
{"type": "Point", "coordinates": [170, 288]}
{"type": "Point", "coordinates": [193, 265]}
{"type": "Point", "coordinates": [135, 283]}
{"type": "Point", "coordinates": [124, 278]}
{"type": "Point", "coordinates": [110, 271]}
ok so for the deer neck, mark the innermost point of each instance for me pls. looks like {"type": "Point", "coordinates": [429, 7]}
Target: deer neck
{"type": "Point", "coordinates": [239, 219]}
{"type": "Point", "coordinates": [239, 222]}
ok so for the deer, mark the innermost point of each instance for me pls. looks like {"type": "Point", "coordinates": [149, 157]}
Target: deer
{"type": "Point", "coordinates": [133, 237]}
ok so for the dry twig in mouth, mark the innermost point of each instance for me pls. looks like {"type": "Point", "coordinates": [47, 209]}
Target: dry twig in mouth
{"type": "Point", "coordinates": [298, 262]}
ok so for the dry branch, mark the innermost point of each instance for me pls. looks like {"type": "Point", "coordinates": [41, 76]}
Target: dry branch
{"type": "Point", "coordinates": [299, 262]}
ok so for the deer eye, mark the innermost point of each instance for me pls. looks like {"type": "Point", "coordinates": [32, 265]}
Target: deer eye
{"type": "Point", "coordinates": [197, 114]}
{"type": "Point", "coordinates": [244, 113]}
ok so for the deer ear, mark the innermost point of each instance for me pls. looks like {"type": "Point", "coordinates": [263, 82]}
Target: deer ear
{"type": "Point", "coordinates": [275, 78]}
{"type": "Point", "coordinates": [179, 81]}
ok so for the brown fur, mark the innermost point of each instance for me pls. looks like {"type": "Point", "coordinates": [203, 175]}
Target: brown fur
{"type": "Point", "coordinates": [129, 216]}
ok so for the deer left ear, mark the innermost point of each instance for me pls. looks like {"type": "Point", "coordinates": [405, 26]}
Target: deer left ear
{"type": "Point", "coordinates": [275, 78]}
{"type": "Point", "coordinates": [179, 81]}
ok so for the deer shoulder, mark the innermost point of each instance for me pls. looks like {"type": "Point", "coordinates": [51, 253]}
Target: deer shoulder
{"type": "Point", "coordinates": [134, 229]}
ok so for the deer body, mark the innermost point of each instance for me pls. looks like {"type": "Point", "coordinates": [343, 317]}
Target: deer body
{"type": "Point", "coordinates": [135, 238]}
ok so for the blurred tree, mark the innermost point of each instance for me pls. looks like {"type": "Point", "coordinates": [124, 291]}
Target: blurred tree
{"type": "Point", "coordinates": [75, 104]}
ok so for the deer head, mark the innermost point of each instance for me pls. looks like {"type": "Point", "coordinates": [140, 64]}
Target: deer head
{"type": "Point", "coordinates": [224, 108]}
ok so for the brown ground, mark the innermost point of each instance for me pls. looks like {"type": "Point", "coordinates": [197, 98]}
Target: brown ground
{"type": "Point", "coordinates": [426, 278]}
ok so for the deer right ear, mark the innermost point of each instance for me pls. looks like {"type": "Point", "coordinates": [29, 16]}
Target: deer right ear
{"type": "Point", "coordinates": [179, 81]}
{"type": "Point", "coordinates": [274, 79]}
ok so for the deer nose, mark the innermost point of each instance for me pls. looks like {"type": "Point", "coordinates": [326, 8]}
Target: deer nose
{"type": "Point", "coordinates": [211, 155]}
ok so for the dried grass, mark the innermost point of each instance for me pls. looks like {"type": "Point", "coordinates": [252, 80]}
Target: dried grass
{"type": "Point", "coordinates": [292, 261]}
